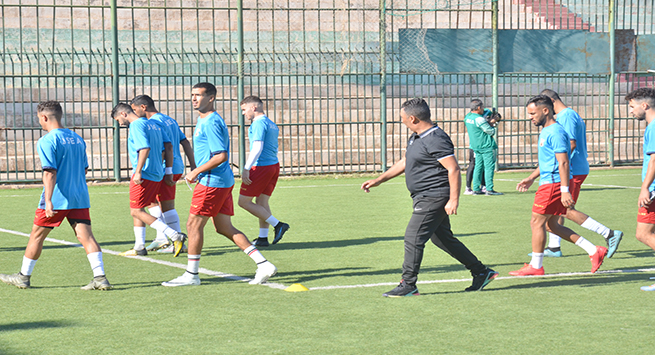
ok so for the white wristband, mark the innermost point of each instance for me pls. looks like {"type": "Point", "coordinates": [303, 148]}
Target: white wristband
{"type": "Point", "coordinates": [168, 170]}
{"type": "Point", "coordinates": [564, 189]}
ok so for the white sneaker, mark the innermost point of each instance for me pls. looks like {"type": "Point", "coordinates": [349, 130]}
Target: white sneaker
{"type": "Point", "coordinates": [484, 189]}
{"type": "Point", "coordinates": [468, 192]}
{"type": "Point", "coordinates": [186, 279]}
{"type": "Point", "coordinates": [264, 272]}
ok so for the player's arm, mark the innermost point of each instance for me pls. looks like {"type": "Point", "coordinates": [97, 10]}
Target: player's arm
{"type": "Point", "coordinates": [525, 184]}
{"type": "Point", "coordinates": [168, 160]}
{"type": "Point", "coordinates": [482, 123]}
{"type": "Point", "coordinates": [573, 145]}
{"type": "Point", "coordinates": [393, 171]}
{"type": "Point", "coordinates": [188, 151]}
{"type": "Point", "coordinates": [49, 181]}
{"type": "Point", "coordinates": [455, 181]}
{"type": "Point", "coordinates": [212, 163]}
{"type": "Point", "coordinates": [644, 195]}
{"type": "Point", "coordinates": [255, 152]}
{"type": "Point", "coordinates": [141, 162]}
{"type": "Point", "coordinates": [563, 162]}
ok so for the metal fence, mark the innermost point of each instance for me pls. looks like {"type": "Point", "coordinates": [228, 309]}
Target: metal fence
{"type": "Point", "coordinates": [330, 72]}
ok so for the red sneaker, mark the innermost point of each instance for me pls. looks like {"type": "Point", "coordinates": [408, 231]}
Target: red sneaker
{"type": "Point", "coordinates": [597, 259]}
{"type": "Point", "coordinates": [527, 270]}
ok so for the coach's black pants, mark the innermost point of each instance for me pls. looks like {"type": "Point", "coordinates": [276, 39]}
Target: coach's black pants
{"type": "Point", "coordinates": [430, 222]}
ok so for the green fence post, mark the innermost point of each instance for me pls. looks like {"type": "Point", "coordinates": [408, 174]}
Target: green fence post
{"type": "Point", "coordinates": [383, 84]}
{"type": "Point", "coordinates": [240, 85]}
{"type": "Point", "coordinates": [610, 92]}
{"type": "Point", "coordinates": [494, 56]}
{"type": "Point", "coordinates": [114, 89]}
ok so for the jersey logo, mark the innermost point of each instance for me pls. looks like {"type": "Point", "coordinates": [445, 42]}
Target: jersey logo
{"type": "Point", "coordinates": [541, 142]}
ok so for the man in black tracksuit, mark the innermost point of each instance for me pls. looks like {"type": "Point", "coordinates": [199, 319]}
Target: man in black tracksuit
{"type": "Point", "coordinates": [433, 178]}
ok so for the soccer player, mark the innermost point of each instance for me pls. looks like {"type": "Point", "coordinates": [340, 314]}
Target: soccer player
{"type": "Point", "coordinates": [261, 171]}
{"type": "Point", "coordinates": [641, 103]}
{"type": "Point", "coordinates": [553, 196]}
{"type": "Point", "coordinates": [212, 196]}
{"type": "Point", "coordinates": [433, 179]}
{"type": "Point", "coordinates": [144, 106]}
{"type": "Point", "coordinates": [146, 142]}
{"type": "Point", "coordinates": [481, 138]}
{"type": "Point", "coordinates": [65, 195]}
{"type": "Point", "coordinates": [576, 129]}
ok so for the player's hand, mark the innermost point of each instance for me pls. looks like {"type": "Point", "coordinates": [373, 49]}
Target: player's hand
{"type": "Point", "coordinates": [567, 199]}
{"type": "Point", "coordinates": [136, 178]}
{"type": "Point", "coordinates": [524, 185]}
{"type": "Point", "coordinates": [368, 184]}
{"type": "Point", "coordinates": [168, 179]}
{"type": "Point", "coordinates": [451, 207]}
{"type": "Point", "coordinates": [49, 209]}
{"type": "Point", "coordinates": [644, 199]}
{"type": "Point", "coordinates": [245, 177]}
{"type": "Point", "coordinates": [191, 177]}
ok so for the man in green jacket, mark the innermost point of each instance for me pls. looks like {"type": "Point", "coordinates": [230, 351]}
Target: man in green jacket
{"type": "Point", "coordinates": [482, 142]}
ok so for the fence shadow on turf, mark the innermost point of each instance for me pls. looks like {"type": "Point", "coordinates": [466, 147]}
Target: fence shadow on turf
{"type": "Point", "coordinates": [34, 325]}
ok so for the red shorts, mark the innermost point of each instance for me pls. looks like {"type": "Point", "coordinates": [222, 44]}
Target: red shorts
{"type": "Point", "coordinates": [75, 215]}
{"type": "Point", "coordinates": [575, 184]}
{"type": "Point", "coordinates": [144, 194]}
{"type": "Point", "coordinates": [264, 179]}
{"type": "Point", "coordinates": [647, 214]}
{"type": "Point", "coordinates": [167, 193]}
{"type": "Point", "coordinates": [548, 200]}
{"type": "Point", "coordinates": [210, 201]}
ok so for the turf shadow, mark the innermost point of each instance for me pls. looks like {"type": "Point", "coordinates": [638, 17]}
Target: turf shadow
{"type": "Point", "coordinates": [34, 325]}
{"type": "Point", "coordinates": [313, 275]}
{"type": "Point", "coordinates": [585, 281]}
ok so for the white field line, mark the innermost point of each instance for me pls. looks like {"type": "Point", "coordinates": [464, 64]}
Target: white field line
{"type": "Point", "coordinates": [155, 261]}
{"type": "Point", "coordinates": [282, 287]}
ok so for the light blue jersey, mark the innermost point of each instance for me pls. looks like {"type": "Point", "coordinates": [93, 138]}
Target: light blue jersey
{"type": "Point", "coordinates": [65, 151]}
{"type": "Point", "coordinates": [577, 131]}
{"type": "Point", "coordinates": [552, 140]}
{"type": "Point", "coordinates": [209, 139]}
{"type": "Point", "coordinates": [176, 135]}
{"type": "Point", "coordinates": [263, 129]}
{"type": "Point", "coordinates": [649, 148]}
{"type": "Point", "coordinates": [147, 134]}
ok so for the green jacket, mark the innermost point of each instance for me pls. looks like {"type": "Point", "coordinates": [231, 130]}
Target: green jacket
{"type": "Point", "coordinates": [481, 134]}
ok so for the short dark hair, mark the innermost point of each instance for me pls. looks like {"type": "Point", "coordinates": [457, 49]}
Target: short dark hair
{"type": "Point", "coordinates": [476, 104]}
{"type": "Point", "coordinates": [121, 107]}
{"type": "Point", "coordinates": [144, 100]}
{"type": "Point", "coordinates": [418, 108]}
{"type": "Point", "coordinates": [642, 94]}
{"type": "Point", "coordinates": [52, 107]}
{"type": "Point", "coordinates": [251, 100]}
{"type": "Point", "coordinates": [550, 93]}
{"type": "Point", "coordinates": [542, 100]}
{"type": "Point", "coordinates": [210, 89]}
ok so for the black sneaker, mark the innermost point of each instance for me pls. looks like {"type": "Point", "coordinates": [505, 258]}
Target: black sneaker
{"type": "Point", "coordinates": [478, 193]}
{"type": "Point", "coordinates": [492, 193]}
{"type": "Point", "coordinates": [481, 280]}
{"type": "Point", "coordinates": [402, 290]}
{"type": "Point", "coordinates": [280, 229]}
{"type": "Point", "coordinates": [260, 242]}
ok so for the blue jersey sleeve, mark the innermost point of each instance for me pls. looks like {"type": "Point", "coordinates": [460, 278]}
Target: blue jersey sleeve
{"type": "Point", "coordinates": [217, 137]}
{"type": "Point", "coordinates": [560, 143]}
{"type": "Point", "coordinates": [649, 140]}
{"type": "Point", "coordinates": [139, 135]}
{"type": "Point", "coordinates": [47, 154]}
{"type": "Point", "coordinates": [568, 122]}
{"type": "Point", "coordinates": [258, 131]}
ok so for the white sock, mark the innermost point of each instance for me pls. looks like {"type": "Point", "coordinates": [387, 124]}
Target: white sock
{"type": "Point", "coordinates": [596, 227]}
{"type": "Point", "coordinates": [589, 247]}
{"type": "Point", "coordinates": [554, 241]}
{"type": "Point", "coordinates": [139, 238]}
{"type": "Point", "coordinates": [537, 261]}
{"type": "Point", "coordinates": [272, 221]}
{"type": "Point", "coordinates": [156, 212]}
{"type": "Point", "coordinates": [95, 259]}
{"type": "Point", "coordinates": [254, 254]}
{"type": "Point", "coordinates": [193, 264]}
{"type": "Point", "coordinates": [263, 232]}
{"type": "Point", "coordinates": [28, 266]}
{"type": "Point", "coordinates": [159, 225]}
{"type": "Point", "coordinates": [172, 220]}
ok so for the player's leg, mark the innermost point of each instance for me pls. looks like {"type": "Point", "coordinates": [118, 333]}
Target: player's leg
{"type": "Point", "coordinates": [538, 227]}
{"type": "Point", "coordinates": [196, 236]}
{"type": "Point", "coordinates": [596, 253]}
{"type": "Point", "coordinates": [32, 254]}
{"type": "Point", "coordinates": [160, 241]}
{"type": "Point", "coordinates": [469, 173]}
{"type": "Point", "coordinates": [646, 235]}
{"type": "Point", "coordinates": [265, 269]}
{"type": "Point", "coordinates": [489, 158]}
{"type": "Point", "coordinates": [81, 225]}
{"type": "Point", "coordinates": [612, 237]}
{"type": "Point", "coordinates": [166, 198]}
{"type": "Point", "coordinates": [477, 174]}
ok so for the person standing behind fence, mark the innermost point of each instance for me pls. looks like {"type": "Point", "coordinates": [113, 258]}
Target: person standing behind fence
{"type": "Point", "coordinates": [576, 129]}
{"type": "Point", "coordinates": [434, 180]}
{"type": "Point", "coordinates": [164, 207]}
{"type": "Point", "coordinates": [146, 142]}
{"type": "Point", "coordinates": [261, 171]}
{"type": "Point", "coordinates": [553, 196]}
{"type": "Point", "coordinates": [65, 195]}
{"type": "Point", "coordinates": [481, 139]}
{"type": "Point", "coordinates": [642, 107]}
{"type": "Point", "coordinates": [212, 195]}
